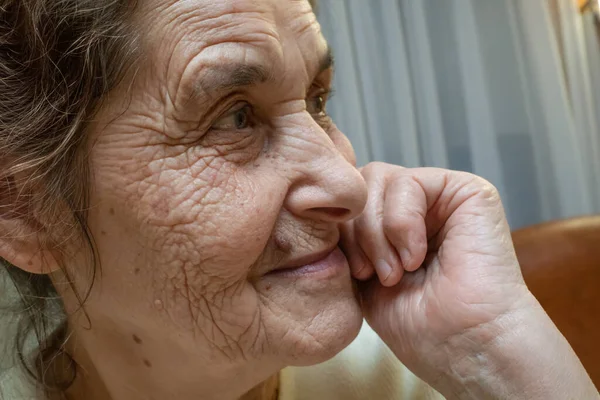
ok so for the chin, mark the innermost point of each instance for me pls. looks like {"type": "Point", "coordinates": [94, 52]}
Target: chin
{"type": "Point", "coordinates": [334, 328]}
{"type": "Point", "coordinates": [310, 316]}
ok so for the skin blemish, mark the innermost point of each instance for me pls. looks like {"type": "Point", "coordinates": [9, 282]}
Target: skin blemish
{"type": "Point", "coordinates": [283, 244]}
{"type": "Point", "coordinates": [111, 211]}
{"type": "Point", "coordinates": [268, 287]}
{"type": "Point", "coordinates": [158, 304]}
{"type": "Point", "coordinates": [102, 232]}
{"type": "Point", "coordinates": [137, 339]}
{"type": "Point", "coordinates": [147, 363]}
{"type": "Point", "coordinates": [30, 263]}
{"type": "Point", "coordinates": [136, 271]}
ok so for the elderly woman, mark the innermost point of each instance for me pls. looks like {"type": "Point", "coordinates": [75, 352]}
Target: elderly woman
{"type": "Point", "coordinates": [173, 186]}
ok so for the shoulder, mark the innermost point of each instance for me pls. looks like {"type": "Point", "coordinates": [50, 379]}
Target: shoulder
{"type": "Point", "coordinates": [366, 369]}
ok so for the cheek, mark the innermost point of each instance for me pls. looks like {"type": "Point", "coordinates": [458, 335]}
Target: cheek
{"type": "Point", "coordinates": [186, 233]}
{"type": "Point", "coordinates": [210, 215]}
{"type": "Point", "coordinates": [204, 264]}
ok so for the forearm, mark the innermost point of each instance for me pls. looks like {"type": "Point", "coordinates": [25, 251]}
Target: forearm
{"type": "Point", "coordinates": [525, 357]}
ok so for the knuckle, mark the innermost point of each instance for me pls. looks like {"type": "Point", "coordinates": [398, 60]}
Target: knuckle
{"type": "Point", "coordinates": [394, 224]}
{"type": "Point", "coordinates": [484, 188]}
{"type": "Point", "coordinates": [373, 167]}
{"type": "Point", "coordinates": [400, 222]}
{"type": "Point", "coordinates": [487, 190]}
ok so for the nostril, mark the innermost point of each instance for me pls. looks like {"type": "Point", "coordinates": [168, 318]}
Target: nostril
{"type": "Point", "coordinates": [332, 212]}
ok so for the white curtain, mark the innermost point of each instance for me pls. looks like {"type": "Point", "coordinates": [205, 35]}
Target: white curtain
{"type": "Point", "coordinates": [507, 89]}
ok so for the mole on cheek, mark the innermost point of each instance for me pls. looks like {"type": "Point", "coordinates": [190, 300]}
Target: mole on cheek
{"type": "Point", "coordinates": [136, 271]}
{"type": "Point", "coordinates": [111, 211]}
{"type": "Point", "coordinates": [283, 244]}
{"type": "Point", "coordinates": [147, 363]}
{"type": "Point", "coordinates": [137, 339]}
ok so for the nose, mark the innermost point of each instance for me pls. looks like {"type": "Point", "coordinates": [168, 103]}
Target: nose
{"type": "Point", "coordinates": [330, 188]}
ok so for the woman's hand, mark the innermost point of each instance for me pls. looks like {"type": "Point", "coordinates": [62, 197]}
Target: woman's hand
{"type": "Point", "coordinates": [452, 266]}
{"type": "Point", "coordinates": [450, 300]}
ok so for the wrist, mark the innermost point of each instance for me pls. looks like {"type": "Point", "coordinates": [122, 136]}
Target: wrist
{"type": "Point", "coordinates": [520, 355]}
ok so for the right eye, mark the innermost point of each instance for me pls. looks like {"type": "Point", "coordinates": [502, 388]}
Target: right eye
{"type": "Point", "coordinates": [240, 117]}
{"type": "Point", "coordinates": [316, 105]}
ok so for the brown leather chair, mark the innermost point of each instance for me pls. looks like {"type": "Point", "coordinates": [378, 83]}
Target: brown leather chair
{"type": "Point", "coordinates": [561, 265]}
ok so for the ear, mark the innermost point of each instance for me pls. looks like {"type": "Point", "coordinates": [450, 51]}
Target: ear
{"type": "Point", "coordinates": [23, 237]}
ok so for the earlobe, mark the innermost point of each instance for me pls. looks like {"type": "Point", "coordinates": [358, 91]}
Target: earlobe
{"type": "Point", "coordinates": [22, 237]}
{"type": "Point", "coordinates": [27, 255]}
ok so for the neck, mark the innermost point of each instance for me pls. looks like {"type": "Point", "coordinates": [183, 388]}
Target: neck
{"type": "Point", "coordinates": [92, 388]}
{"type": "Point", "coordinates": [113, 367]}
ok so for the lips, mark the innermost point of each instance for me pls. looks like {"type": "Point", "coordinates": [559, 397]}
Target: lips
{"type": "Point", "coordinates": [326, 264]}
{"type": "Point", "coordinates": [305, 260]}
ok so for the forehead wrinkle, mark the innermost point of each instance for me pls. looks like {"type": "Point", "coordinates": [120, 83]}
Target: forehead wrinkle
{"type": "Point", "coordinates": [257, 30]}
{"type": "Point", "coordinates": [305, 31]}
{"type": "Point", "coordinates": [183, 28]}
{"type": "Point", "coordinates": [305, 21]}
{"type": "Point", "coordinates": [221, 65]}
{"type": "Point", "coordinates": [199, 13]}
{"type": "Point", "coordinates": [222, 19]}
{"type": "Point", "coordinates": [238, 76]}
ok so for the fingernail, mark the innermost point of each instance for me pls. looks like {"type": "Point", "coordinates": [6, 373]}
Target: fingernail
{"type": "Point", "coordinates": [405, 257]}
{"type": "Point", "coordinates": [384, 269]}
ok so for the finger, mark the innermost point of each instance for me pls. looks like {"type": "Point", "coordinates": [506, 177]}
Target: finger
{"type": "Point", "coordinates": [374, 296]}
{"type": "Point", "coordinates": [360, 266]}
{"type": "Point", "coordinates": [404, 214]}
{"type": "Point", "coordinates": [420, 208]}
{"type": "Point", "coordinates": [369, 231]}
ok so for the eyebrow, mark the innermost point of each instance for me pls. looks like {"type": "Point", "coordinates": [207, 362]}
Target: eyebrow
{"type": "Point", "coordinates": [327, 61]}
{"type": "Point", "coordinates": [237, 76]}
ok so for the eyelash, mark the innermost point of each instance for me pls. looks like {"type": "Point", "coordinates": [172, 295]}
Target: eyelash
{"type": "Point", "coordinates": [326, 94]}
{"type": "Point", "coordinates": [322, 118]}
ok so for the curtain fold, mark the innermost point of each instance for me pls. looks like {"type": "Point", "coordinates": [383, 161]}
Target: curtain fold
{"type": "Point", "coordinates": [506, 89]}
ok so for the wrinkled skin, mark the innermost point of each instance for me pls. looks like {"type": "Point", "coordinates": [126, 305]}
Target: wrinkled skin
{"type": "Point", "coordinates": [201, 190]}
{"type": "Point", "coordinates": [198, 193]}
{"type": "Point", "coordinates": [454, 275]}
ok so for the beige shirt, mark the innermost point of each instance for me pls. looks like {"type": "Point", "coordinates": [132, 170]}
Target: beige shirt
{"type": "Point", "coordinates": [365, 370]}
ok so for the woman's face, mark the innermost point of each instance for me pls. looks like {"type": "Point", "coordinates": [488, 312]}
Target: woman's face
{"type": "Point", "coordinates": [215, 171]}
